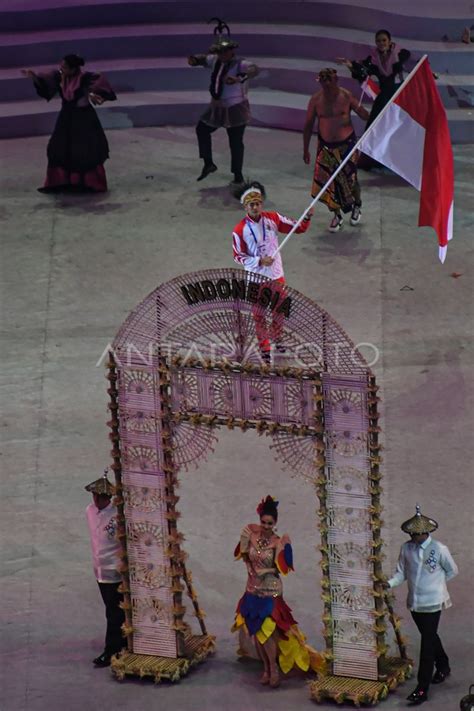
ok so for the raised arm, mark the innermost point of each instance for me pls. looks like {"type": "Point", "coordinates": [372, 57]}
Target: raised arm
{"type": "Point", "coordinates": [286, 224]}
{"type": "Point", "coordinates": [344, 62]}
{"type": "Point", "coordinates": [358, 109]}
{"type": "Point", "coordinates": [311, 114]}
{"type": "Point", "coordinates": [198, 60]}
{"type": "Point", "coordinates": [403, 56]}
{"type": "Point", "coordinates": [45, 83]}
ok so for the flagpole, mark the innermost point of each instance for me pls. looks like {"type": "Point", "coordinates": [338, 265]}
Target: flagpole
{"type": "Point", "coordinates": [348, 156]}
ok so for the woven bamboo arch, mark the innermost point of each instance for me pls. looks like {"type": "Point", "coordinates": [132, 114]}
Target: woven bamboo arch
{"type": "Point", "coordinates": [186, 362]}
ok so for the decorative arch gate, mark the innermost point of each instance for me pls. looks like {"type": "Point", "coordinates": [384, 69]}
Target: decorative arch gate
{"type": "Point", "coordinates": [186, 362]}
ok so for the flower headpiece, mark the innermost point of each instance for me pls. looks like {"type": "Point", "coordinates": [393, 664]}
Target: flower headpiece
{"type": "Point", "coordinates": [269, 505]}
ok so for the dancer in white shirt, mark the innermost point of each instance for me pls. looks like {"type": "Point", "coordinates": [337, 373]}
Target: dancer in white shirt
{"type": "Point", "coordinates": [102, 521]}
{"type": "Point", "coordinates": [255, 241]}
{"type": "Point", "coordinates": [426, 565]}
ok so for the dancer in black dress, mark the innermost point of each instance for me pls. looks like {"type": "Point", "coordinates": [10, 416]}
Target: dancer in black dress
{"type": "Point", "coordinates": [78, 146]}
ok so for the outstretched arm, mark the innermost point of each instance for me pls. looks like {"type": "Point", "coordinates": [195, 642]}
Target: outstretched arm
{"type": "Point", "coordinates": [29, 73]}
{"type": "Point", "coordinates": [345, 62]}
{"type": "Point", "coordinates": [46, 83]}
{"type": "Point", "coordinates": [286, 224]}
{"type": "Point", "coordinates": [311, 114]}
{"type": "Point", "coordinates": [197, 60]}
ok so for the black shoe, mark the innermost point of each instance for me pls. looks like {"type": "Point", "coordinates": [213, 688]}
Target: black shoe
{"type": "Point", "coordinates": [103, 660]}
{"type": "Point", "coordinates": [280, 348]}
{"type": "Point", "coordinates": [238, 178]}
{"type": "Point", "coordinates": [207, 170]}
{"type": "Point", "coordinates": [440, 675]}
{"type": "Point", "coordinates": [266, 357]}
{"type": "Point", "coordinates": [417, 697]}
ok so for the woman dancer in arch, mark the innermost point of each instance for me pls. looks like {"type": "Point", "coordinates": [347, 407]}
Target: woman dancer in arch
{"type": "Point", "coordinates": [262, 611]}
{"type": "Point", "coordinates": [78, 148]}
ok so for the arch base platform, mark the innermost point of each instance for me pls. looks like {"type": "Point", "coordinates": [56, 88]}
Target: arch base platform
{"type": "Point", "coordinates": [196, 649]}
{"type": "Point", "coordinates": [361, 691]}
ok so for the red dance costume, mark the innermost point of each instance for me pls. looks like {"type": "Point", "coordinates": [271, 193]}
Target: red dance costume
{"type": "Point", "coordinates": [262, 611]}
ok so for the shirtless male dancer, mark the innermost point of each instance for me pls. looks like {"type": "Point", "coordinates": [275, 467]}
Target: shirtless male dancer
{"type": "Point", "coordinates": [332, 106]}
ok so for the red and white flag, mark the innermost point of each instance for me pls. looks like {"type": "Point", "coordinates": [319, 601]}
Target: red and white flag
{"type": "Point", "coordinates": [370, 87]}
{"type": "Point", "coordinates": [412, 139]}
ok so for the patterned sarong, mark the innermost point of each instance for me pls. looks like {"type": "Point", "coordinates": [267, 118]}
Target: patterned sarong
{"type": "Point", "coordinates": [344, 191]}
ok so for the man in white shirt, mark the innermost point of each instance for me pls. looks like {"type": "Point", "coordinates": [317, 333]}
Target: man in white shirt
{"type": "Point", "coordinates": [106, 549]}
{"type": "Point", "coordinates": [426, 565]}
{"type": "Point", "coordinates": [229, 107]}
{"type": "Point", "coordinates": [255, 244]}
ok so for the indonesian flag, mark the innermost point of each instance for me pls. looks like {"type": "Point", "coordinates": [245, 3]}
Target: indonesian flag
{"type": "Point", "coordinates": [370, 87]}
{"type": "Point", "coordinates": [412, 139]}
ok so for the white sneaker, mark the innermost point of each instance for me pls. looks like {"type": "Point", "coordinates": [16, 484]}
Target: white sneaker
{"type": "Point", "coordinates": [356, 215]}
{"type": "Point", "coordinates": [336, 223]}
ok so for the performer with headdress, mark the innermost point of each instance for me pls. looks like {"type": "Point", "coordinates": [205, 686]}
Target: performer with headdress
{"type": "Point", "coordinates": [229, 107]}
{"type": "Point", "coordinates": [426, 565]}
{"type": "Point", "coordinates": [102, 521]}
{"type": "Point", "coordinates": [262, 612]}
{"type": "Point", "coordinates": [332, 106]}
{"type": "Point", "coordinates": [255, 241]}
{"type": "Point", "coordinates": [78, 148]}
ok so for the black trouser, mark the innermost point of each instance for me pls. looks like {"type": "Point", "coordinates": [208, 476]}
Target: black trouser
{"type": "Point", "coordinates": [236, 144]}
{"type": "Point", "coordinates": [114, 640]}
{"type": "Point", "coordinates": [431, 650]}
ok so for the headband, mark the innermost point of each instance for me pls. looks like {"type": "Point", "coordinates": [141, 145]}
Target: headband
{"type": "Point", "coordinates": [250, 195]}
